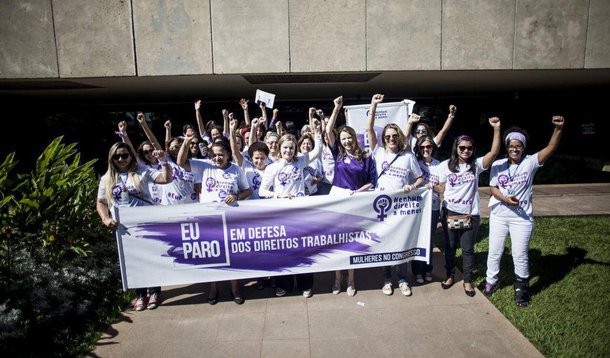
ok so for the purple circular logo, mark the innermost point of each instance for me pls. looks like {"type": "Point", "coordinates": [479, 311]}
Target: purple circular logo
{"type": "Point", "coordinates": [222, 194]}
{"type": "Point", "coordinates": [382, 204]}
{"type": "Point", "coordinates": [452, 178]}
{"type": "Point", "coordinates": [210, 183]}
{"type": "Point", "coordinates": [385, 165]}
{"type": "Point", "coordinates": [282, 177]}
{"type": "Point", "coordinates": [503, 180]}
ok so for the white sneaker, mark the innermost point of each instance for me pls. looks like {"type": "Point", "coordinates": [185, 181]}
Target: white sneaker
{"type": "Point", "coordinates": [153, 301]}
{"type": "Point", "coordinates": [279, 292]}
{"type": "Point", "coordinates": [140, 304]}
{"type": "Point", "coordinates": [405, 289]}
{"type": "Point", "coordinates": [336, 287]}
{"type": "Point", "coordinates": [351, 290]}
{"type": "Point", "coordinates": [307, 293]}
{"type": "Point", "coordinates": [387, 289]}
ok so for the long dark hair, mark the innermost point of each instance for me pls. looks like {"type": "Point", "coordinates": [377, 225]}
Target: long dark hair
{"type": "Point", "coordinates": [420, 141]}
{"type": "Point", "coordinates": [454, 162]}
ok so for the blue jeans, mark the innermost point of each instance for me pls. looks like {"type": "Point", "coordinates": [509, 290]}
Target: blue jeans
{"type": "Point", "coordinates": [400, 269]}
{"type": "Point", "coordinates": [141, 292]}
{"type": "Point", "coordinates": [420, 267]}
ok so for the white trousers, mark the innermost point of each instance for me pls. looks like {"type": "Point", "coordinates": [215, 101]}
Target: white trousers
{"type": "Point", "coordinates": [520, 230]}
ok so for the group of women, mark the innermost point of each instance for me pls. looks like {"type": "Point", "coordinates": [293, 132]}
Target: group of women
{"type": "Point", "coordinates": [260, 160]}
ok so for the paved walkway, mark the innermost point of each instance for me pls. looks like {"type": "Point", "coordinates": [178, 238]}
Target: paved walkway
{"type": "Point", "coordinates": [432, 323]}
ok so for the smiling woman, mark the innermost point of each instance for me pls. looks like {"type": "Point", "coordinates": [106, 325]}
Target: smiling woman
{"type": "Point", "coordinates": [397, 169]}
{"type": "Point", "coordinates": [126, 183]}
{"type": "Point", "coordinates": [511, 202]}
{"type": "Point", "coordinates": [461, 202]}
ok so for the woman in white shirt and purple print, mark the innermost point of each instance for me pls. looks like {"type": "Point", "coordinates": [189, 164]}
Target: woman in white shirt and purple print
{"type": "Point", "coordinates": [459, 179]}
{"type": "Point", "coordinates": [511, 206]}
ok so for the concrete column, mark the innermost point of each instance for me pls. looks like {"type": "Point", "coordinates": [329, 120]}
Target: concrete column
{"type": "Point", "coordinates": [403, 35]}
{"type": "Point", "coordinates": [94, 38]}
{"type": "Point", "coordinates": [550, 34]}
{"type": "Point", "coordinates": [27, 41]}
{"type": "Point", "coordinates": [250, 36]}
{"type": "Point", "coordinates": [172, 37]}
{"type": "Point", "coordinates": [477, 34]}
{"type": "Point", "coordinates": [598, 35]}
{"type": "Point", "coordinates": [327, 35]}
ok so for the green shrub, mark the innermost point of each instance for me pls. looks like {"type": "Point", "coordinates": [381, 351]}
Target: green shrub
{"type": "Point", "coordinates": [59, 272]}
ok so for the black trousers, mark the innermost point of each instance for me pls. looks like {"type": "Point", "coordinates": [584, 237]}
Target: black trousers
{"type": "Point", "coordinates": [463, 237]}
{"type": "Point", "coordinates": [304, 281]}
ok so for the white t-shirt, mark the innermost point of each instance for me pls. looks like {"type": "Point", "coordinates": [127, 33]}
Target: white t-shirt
{"type": "Point", "coordinates": [314, 169]}
{"type": "Point", "coordinates": [254, 177]}
{"type": "Point", "coordinates": [328, 164]}
{"type": "Point", "coordinates": [125, 184]}
{"type": "Point", "coordinates": [155, 190]}
{"type": "Point", "coordinates": [285, 178]}
{"type": "Point", "coordinates": [182, 188]}
{"type": "Point", "coordinates": [217, 183]}
{"type": "Point", "coordinates": [403, 170]}
{"type": "Point", "coordinates": [461, 188]}
{"type": "Point", "coordinates": [431, 174]}
{"type": "Point", "coordinates": [514, 180]}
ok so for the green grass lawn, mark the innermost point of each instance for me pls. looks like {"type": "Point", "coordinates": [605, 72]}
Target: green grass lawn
{"type": "Point", "coordinates": [569, 314]}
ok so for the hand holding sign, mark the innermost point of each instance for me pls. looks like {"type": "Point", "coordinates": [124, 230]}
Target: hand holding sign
{"type": "Point", "coordinates": [265, 97]}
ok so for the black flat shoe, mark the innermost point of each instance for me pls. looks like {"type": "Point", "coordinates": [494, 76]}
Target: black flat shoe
{"type": "Point", "coordinates": [213, 300]}
{"type": "Point", "coordinates": [469, 293]}
{"type": "Point", "coordinates": [239, 300]}
{"type": "Point", "coordinates": [447, 283]}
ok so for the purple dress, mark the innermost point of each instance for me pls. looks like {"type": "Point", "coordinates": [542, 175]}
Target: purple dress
{"type": "Point", "coordinates": [351, 173]}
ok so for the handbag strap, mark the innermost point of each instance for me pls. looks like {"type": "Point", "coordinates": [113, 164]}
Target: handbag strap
{"type": "Point", "coordinates": [389, 165]}
{"type": "Point", "coordinates": [142, 199]}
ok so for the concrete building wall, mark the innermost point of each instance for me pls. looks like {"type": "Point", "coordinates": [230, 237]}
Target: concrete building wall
{"type": "Point", "coordinates": [173, 37]}
{"type": "Point", "coordinates": [598, 35]}
{"type": "Point", "coordinates": [250, 36]}
{"type": "Point", "coordinates": [114, 38]}
{"type": "Point", "coordinates": [94, 38]}
{"type": "Point", "coordinates": [27, 40]}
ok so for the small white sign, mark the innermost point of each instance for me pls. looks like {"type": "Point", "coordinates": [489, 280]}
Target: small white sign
{"type": "Point", "coordinates": [265, 97]}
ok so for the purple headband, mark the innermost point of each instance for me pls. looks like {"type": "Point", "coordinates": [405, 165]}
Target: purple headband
{"type": "Point", "coordinates": [464, 137]}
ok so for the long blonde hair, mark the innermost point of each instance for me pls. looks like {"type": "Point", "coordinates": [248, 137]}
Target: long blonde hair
{"type": "Point", "coordinates": [111, 177]}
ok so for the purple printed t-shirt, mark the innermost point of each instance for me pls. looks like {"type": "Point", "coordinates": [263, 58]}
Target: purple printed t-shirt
{"type": "Point", "coordinates": [351, 173]}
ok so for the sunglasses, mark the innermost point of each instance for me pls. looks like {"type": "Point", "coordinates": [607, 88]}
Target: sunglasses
{"type": "Point", "coordinates": [393, 136]}
{"type": "Point", "coordinates": [194, 143]}
{"type": "Point", "coordinates": [421, 131]}
{"type": "Point", "coordinates": [463, 148]}
{"type": "Point", "coordinates": [121, 156]}
{"type": "Point", "coordinates": [515, 147]}
{"type": "Point", "coordinates": [429, 146]}
{"type": "Point", "coordinates": [147, 151]}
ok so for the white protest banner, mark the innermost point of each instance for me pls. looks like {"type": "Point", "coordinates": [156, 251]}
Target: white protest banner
{"type": "Point", "coordinates": [265, 97]}
{"type": "Point", "coordinates": [392, 112]}
{"type": "Point", "coordinates": [182, 244]}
